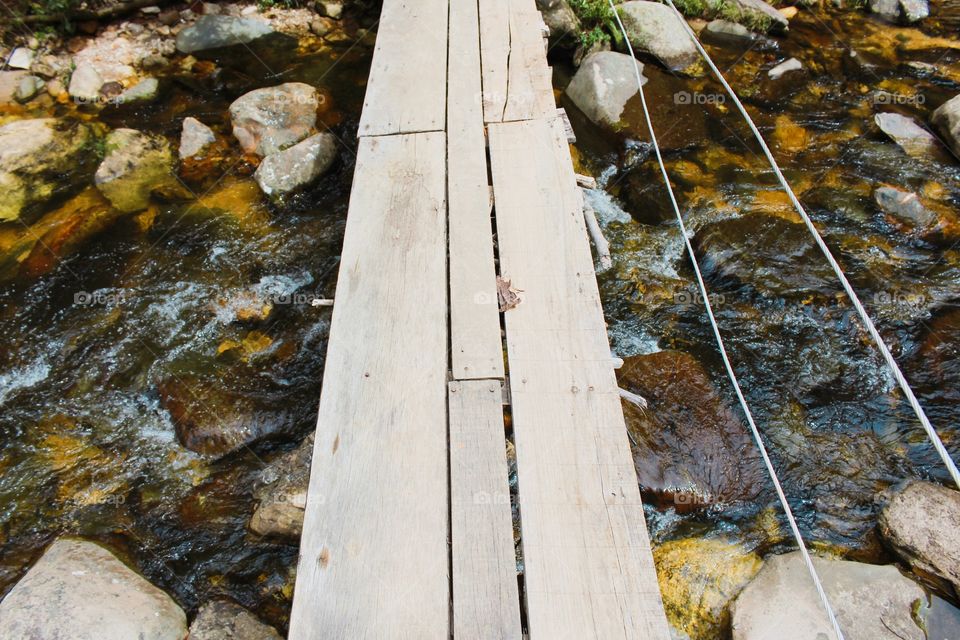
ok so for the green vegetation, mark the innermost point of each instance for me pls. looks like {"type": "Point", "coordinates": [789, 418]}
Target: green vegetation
{"type": "Point", "coordinates": [597, 22]}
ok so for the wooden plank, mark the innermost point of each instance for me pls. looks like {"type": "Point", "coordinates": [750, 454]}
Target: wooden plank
{"type": "Point", "coordinates": [494, 53]}
{"type": "Point", "coordinates": [374, 554]}
{"type": "Point", "coordinates": [529, 81]}
{"type": "Point", "coordinates": [486, 601]}
{"type": "Point", "coordinates": [589, 570]}
{"type": "Point", "coordinates": [476, 346]}
{"type": "Point", "coordinates": [406, 89]}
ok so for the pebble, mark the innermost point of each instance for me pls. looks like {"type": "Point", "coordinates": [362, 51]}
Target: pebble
{"type": "Point", "coordinates": [151, 10]}
{"type": "Point", "coordinates": [789, 65]}
{"type": "Point", "coordinates": [28, 89]}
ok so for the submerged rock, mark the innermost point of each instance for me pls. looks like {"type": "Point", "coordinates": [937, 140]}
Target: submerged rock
{"type": "Point", "coordinates": [226, 620]}
{"type": "Point", "coordinates": [726, 32]}
{"type": "Point", "coordinates": [655, 29]}
{"type": "Point", "coordinates": [214, 421]}
{"type": "Point", "coordinates": [871, 602]}
{"type": "Point", "coordinates": [81, 591]}
{"type": "Point", "coordinates": [268, 120]}
{"type": "Point", "coordinates": [136, 165]}
{"type": "Point", "coordinates": [218, 31]}
{"type": "Point", "coordinates": [282, 499]}
{"type": "Point", "coordinates": [603, 84]}
{"type": "Point", "coordinates": [921, 522]}
{"type": "Point", "coordinates": [698, 579]}
{"type": "Point", "coordinates": [195, 138]}
{"type": "Point", "coordinates": [144, 91]}
{"type": "Point", "coordinates": [912, 138]}
{"type": "Point", "coordinates": [947, 120]}
{"type": "Point", "coordinates": [35, 157]}
{"type": "Point", "coordinates": [785, 67]}
{"type": "Point", "coordinates": [773, 255]}
{"type": "Point", "coordinates": [691, 450]}
{"type": "Point", "coordinates": [292, 169]}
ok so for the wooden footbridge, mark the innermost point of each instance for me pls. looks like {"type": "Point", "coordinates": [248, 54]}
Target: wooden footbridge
{"type": "Point", "coordinates": [464, 176]}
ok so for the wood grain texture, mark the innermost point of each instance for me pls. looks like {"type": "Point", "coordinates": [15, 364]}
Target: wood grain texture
{"type": "Point", "coordinates": [374, 557]}
{"type": "Point", "coordinates": [486, 601]}
{"type": "Point", "coordinates": [529, 81]}
{"type": "Point", "coordinates": [494, 53]}
{"type": "Point", "coordinates": [589, 569]}
{"type": "Point", "coordinates": [516, 77]}
{"type": "Point", "coordinates": [406, 89]}
{"type": "Point", "coordinates": [476, 345]}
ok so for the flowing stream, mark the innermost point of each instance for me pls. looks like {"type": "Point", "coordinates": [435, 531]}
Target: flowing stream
{"type": "Point", "coordinates": [88, 448]}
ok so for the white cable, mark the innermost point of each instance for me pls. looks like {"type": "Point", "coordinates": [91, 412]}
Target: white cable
{"type": "Point", "coordinates": [871, 329]}
{"type": "Point", "coordinates": [723, 351]}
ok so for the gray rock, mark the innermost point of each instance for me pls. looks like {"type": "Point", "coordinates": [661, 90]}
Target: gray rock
{"type": "Point", "coordinates": [21, 58]}
{"type": "Point", "coordinates": [758, 12]}
{"type": "Point", "coordinates": [217, 31]}
{"type": "Point", "coordinates": [154, 61]}
{"type": "Point", "coordinates": [724, 29]}
{"type": "Point", "coordinates": [225, 620]}
{"type": "Point", "coordinates": [194, 138]}
{"type": "Point", "coordinates": [603, 84]}
{"type": "Point", "coordinates": [267, 120]}
{"type": "Point", "coordinates": [655, 29]}
{"type": "Point", "coordinates": [906, 206]}
{"type": "Point", "coordinates": [136, 165]}
{"type": "Point", "coordinates": [282, 496]}
{"type": "Point", "coordinates": [897, 10]}
{"type": "Point", "coordinates": [210, 8]}
{"type": "Point", "coordinates": [921, 522]}
{"type": "Point", "coordinates": [912, 138]}
{"type": "Point", "coordinates": [320, 26]}
{"type": "Point", "coordinates": [85, 84]}
{"type": "Point", "coordinates": [81, 591]}
{"type": "Point", "coordinates": [28, 88]}
{"type": "Point", "coordinates": [9, 84]}
{"type": "Point", "coordinates": [34, 156]}
{"type": "Point", "coordinates": [871, 602]}
{"type": "Point", "coordinates": [785, 67]}
{"type": "Point", "coordinates": [144, 91]}
{"type": "Point", "coordinates": [947, 120]}
{"type": "Point", "coordinates": [560, 18]}
{"type": "Point", "coordinates": [330, 9]}
{"type": "Point", "coordinates": [292, 169]}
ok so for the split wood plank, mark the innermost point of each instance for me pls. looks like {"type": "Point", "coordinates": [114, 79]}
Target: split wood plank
{"type": "Point", "coordinates": [486, 600]}
{"type": "Point", "coordinates": [589, 571]}
{"type": "Point", "coordinates": [494, 55]}
{"type": "Point", "coordinates": [374, 556]}
{"type": "Point", "coordinates": [476, 345]}
{"type": "Point", "coordinates": [529, 81]}
{"type": "Point", "coordinates": [406, 89]}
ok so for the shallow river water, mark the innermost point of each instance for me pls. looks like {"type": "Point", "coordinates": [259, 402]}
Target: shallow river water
{"type": "Point", "coordinates": [90, 346]}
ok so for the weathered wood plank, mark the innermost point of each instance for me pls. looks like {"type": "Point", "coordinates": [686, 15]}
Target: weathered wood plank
{"type": "Point", "coordinates": [476, 346]}
{"type": "Point", "coordinates": [406, 89]}
{"type": "Point", "coordinates": [588, 567]}
{"type": "Point", "coordinates": [494, 54]}
{"type": "Point", "coordinates": [374, 554]}
{"type": "Point", "coordinates": [486, 602]}
{"type": "Point", "coordinates": [529, 81]}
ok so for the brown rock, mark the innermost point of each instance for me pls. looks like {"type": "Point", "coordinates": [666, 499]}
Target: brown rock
{"type": "Point", "coordinates": [691, 449]}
